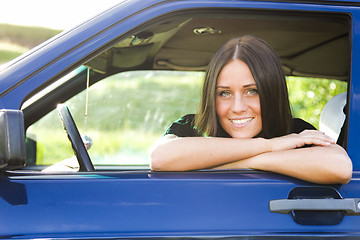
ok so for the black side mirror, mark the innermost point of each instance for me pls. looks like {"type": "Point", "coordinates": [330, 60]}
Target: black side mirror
{"type": "Point", "coordinates": [12, 139]}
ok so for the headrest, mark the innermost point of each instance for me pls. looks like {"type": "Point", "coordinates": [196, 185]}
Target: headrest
{"type": "Point", "coordinates": [332, 116]}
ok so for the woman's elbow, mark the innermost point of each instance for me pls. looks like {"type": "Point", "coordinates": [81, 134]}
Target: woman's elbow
{"type": "Point", "coordinates": [338, 166]}
{"type": "Point", "coordinates": [342, 173]}
{"type": "Point", "coordinates": [156, 160]}
{"type": "Point", "coordinates": [345, 173]}
{"type": "Point", "coordinates": [161, 154]}
{"type": "Point", "coordinates": [341, 178]}
{"type": "Point", "coordinates": [161, 160]}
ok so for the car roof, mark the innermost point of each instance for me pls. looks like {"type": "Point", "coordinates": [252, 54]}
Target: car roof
{"type": "Point", "coordinates": [308, 44]}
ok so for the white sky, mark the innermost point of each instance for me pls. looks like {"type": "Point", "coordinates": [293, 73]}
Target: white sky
{"type": "Point", "coordinates": [61, 14]}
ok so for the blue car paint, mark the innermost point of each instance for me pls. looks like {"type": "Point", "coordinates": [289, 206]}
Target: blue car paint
{"type": "Point", "coordinates": [354, 92]}
{"type": "Point", "coordinates": [145, 204]}
{"type": "Point", "coordinates": [208, 204]}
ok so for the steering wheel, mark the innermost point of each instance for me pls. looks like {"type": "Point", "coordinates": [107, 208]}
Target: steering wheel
{"type": "Point", "coordinates": [75, 139]}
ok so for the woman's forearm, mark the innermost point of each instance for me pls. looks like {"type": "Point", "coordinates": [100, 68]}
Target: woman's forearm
{"type": "Point", "coordinates": [192, 153]}
{"type": "Point", "coordinates": [324, 165]}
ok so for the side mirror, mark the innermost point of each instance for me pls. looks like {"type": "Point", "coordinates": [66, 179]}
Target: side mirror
{"type": "Point", "coordinates": [12, 139]}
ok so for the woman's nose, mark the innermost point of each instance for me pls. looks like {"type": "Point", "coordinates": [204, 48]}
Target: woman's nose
{"type": "Point", "coordinates": [239, 104]}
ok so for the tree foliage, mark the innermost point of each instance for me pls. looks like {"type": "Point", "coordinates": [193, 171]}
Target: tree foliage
{"type": "Point", "coordinates": [308, 96]}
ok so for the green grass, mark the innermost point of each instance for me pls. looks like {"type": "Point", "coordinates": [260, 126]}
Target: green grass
{"type": "Point", "coordinates": [16, 40]}
{"type": "Point", "coordinates": [25, 36]}
{"type": "Point", "coordinates": [52, 145]}
{"type": "Point", "coordinates": [9, 51]}
{"type": "Point", "coordinates": [6, 56]}
{"type": "Point", "coordinates": [114, 147]}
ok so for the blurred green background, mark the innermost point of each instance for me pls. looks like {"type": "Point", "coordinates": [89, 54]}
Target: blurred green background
{"type": "Point", "coordinates": [15, 40]}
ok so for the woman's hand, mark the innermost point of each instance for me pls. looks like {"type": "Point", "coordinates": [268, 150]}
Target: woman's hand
{"type": "Point", "coordinates": [294, 140]}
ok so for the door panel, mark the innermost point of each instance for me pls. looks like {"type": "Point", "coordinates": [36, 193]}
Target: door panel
{"type": "Point", "coordinates": [178, 204]}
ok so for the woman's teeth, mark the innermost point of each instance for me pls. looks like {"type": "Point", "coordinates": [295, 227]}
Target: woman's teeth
{"type": "Point", "coordinates": [241, 121]}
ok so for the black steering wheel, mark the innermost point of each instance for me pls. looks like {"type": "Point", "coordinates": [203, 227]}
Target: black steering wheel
{"type": "Point", "coordinates": [75, 139]}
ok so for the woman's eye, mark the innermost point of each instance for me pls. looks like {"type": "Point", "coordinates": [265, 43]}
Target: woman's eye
{"type": "Point", "coordinates": [224, 94]}
{"type": "Point", "coordinates": [251, 92]}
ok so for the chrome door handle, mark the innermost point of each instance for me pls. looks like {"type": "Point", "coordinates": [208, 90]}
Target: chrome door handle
{"type": "Point", "coordinates": [350, 206]}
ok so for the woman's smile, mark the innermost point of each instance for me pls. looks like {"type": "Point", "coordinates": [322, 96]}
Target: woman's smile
{"type": "Point", "coordinates": [237, 101]}
{"type": "Point", "coordinates": [241, 121]}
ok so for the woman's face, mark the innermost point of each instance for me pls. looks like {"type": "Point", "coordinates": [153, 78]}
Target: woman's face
{"type": "Point", "coordinates": [237, 101]}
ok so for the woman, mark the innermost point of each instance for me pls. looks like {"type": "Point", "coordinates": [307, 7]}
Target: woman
{"type": "Point", "coordinates": [244, 121]}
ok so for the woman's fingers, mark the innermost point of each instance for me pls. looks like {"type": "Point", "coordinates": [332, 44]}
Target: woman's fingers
{"type": "Point", "coordinates": [316, 138]}
{"type": "Point", "coordinates": [307, 137]}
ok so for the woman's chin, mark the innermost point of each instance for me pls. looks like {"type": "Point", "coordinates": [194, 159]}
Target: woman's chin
{"type": "Point", "coordinates": [243, 134]}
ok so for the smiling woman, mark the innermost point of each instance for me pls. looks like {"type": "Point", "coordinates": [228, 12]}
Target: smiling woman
{"type": "Point", "coordinates": [237, 101]}
{"type": "Point", "coordinates": [244, 121]}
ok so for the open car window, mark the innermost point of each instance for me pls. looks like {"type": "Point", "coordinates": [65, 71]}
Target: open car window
{"type": "Point", "coordinates": [147, 79]}
{"type": "Point", "coordinates": [128, 112]}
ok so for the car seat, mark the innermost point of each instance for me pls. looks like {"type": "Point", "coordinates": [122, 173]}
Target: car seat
{"type": "Point", "coordinates": [332, 117]}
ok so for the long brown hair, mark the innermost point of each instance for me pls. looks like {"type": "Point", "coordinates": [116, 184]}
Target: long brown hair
{"type": "Point", "coordinates": [266, 69]}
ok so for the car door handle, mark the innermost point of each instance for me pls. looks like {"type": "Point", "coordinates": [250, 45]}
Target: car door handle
{"type": "Point", "coordinates": [350, 206]}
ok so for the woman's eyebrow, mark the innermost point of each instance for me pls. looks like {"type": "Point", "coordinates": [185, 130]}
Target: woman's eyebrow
{"type": "Point", "coordinates": [249, 85]}
{"type": "Point", "coordinates": [245, 86]}
{"type": "Point", "coordinates": [222, 87]}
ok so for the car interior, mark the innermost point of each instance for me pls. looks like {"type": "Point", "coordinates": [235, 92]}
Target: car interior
{"type": "Point", "coordinates": [309, 44]}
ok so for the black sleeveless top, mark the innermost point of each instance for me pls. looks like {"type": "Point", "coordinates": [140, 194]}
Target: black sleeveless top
{"type": "Point", "coordinates": [184, 127]}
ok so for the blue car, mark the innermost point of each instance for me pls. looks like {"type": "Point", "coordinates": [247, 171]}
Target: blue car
{"type": "Point", "coordinates": [117, 81]}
